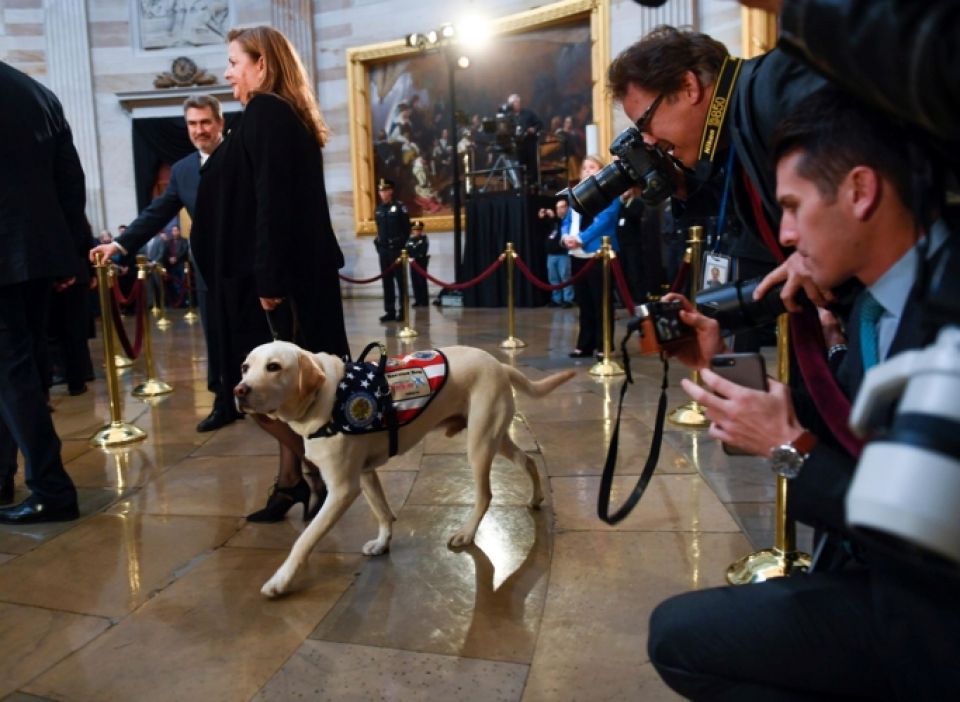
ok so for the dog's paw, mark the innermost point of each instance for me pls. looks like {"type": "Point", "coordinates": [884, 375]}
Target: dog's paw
{"type": "Point", "coordinates": [376, 547]}
{"type": "Point", "coordinates": [460, 539]}
{"type": "Point", "coordinates": [275, 586]}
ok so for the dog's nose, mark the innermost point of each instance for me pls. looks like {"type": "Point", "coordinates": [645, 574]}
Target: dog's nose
{"type": "Point", "coordinates": [241, 390]}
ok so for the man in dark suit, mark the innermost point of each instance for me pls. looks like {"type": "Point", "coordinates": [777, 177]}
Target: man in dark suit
{"type": "Point", "coordinates": [528, 126]}
{"type": "Point", "coordinates": [873, 626]}
{"type": "Point", "coordinates": [205, 124]}
{"type": "Point", "coordinates": [44, 239]}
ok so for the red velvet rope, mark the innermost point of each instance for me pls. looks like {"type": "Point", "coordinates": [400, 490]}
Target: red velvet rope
{"type": "Point", "coordinates": [622, 286]}
{"type": "Point", "coordinates": [132, 351]}
{"type": "Point", "coordinates": [681, 280]}
{"type": "Point", "coordinates": [550, 288]}
{"type": "Point", "coordinates": [459, 286]}
{"type": "Point", "coordinates": [364, 281]}
{"type": "Point", "coordinates": [118, 294]}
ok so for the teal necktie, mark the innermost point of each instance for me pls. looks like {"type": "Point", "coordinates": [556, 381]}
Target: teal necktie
{"type": "Point", "coordinates": [870, 313]}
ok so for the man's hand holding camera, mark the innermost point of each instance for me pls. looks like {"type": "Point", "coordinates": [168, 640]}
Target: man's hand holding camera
{"type": "Point", "coordinates": [696, 351]}
{"type": "Point", "coordinates": [797, 276]}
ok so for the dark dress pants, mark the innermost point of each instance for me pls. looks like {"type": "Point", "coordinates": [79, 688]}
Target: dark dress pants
{"type": "Point", "coordinates": [25, 421]}
{"type": "Point", "coordinates": [589, 295]}
{"type": "Point", "coordinates": [70, 312]}
{"type": "Point", "coordinates": [420, 294]}
{"type": "Point", "coordinates": [392, 281]}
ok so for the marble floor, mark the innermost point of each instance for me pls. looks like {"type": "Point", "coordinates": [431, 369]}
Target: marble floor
{"type": "Point", "coordinates": [154, 594]}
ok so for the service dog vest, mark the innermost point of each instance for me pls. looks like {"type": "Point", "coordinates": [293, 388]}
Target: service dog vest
{"type": "Point", "coordinates": [385, 396]}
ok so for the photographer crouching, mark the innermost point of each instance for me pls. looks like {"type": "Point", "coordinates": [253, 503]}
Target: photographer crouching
{"type": "Point", "coordinates": [867, 625]}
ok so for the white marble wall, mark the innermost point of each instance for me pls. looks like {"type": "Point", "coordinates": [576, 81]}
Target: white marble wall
{"type": "Point", "coordinates": [337, 25]}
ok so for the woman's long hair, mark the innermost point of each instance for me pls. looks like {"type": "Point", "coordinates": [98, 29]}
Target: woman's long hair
{"type": "Point", "coordinates": [284, 75]}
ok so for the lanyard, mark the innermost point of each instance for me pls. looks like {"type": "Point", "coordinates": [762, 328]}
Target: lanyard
{"type": "Point", "coordinates": [722, 217]}
{"type": "Point", "coordinates": [717, 116]}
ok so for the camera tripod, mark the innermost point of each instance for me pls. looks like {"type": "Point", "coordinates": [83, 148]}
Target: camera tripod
{"type": "Point", "coordinates": [503, 170]}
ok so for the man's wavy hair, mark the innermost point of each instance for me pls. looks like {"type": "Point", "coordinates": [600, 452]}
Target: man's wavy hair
{"type": "Point", "coordinates": [284, 75]}
{"type": "Point", "coordinates": [658, 62]}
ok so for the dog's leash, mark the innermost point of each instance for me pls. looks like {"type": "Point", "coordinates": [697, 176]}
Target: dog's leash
{"type": "Point", "coordinates": [609, 468]}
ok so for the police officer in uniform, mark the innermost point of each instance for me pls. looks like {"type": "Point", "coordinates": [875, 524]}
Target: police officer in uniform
{"type": "Point", "coordinates": [418, 249]}
{"type": "Point", "coordinates": [393, 230]}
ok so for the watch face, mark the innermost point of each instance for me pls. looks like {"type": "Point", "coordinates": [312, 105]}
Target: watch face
{"type": "Point", "coordinates": [786, 461]}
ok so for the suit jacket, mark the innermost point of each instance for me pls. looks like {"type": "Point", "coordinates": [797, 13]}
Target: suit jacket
{"type": "Point", "coordinates": [817, 495]}
{"type": "Point", "coordinates": [43, 230]}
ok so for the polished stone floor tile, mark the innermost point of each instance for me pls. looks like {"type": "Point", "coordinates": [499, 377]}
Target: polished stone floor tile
{"type": "Point", "coordinates": [436, 441]}
{"type": "Point", "coordinates": [109, 565]}
{"type": "Point", "coordinates": [602, 591]}
{"type": "Point", "coordinates": [355, 528]}
{"type": "Point", "coordinates": [176, 426]}
{"type": "Point", "coordinates": [409, 461]}
{"type": "Point", "coordinates": [210, 486]}
{"type": "Point", "coordinates": [671, 503]}
{"type": "Point", "coordinates": [582, 449]}
{"type": "Point", "coordinates": [4, 557]}
{"type": "Point", "coordinates": [448, 480]}
{"type": "Point", "coordinates": [24, 697]}
{"type": "Point", "coordinates": [219, 638]}
{"type": "Point", "coordinates": [481, 602]}
{"type": "Point", "coordinates": [242, 438]}
{"type": "Point", "coordinates": [32, 639]}
{"type": "Point", "coordinates": [333, 672]}
{"type": "Point", "coordinates": [21, 539]}
{"type": "Point", "coordinates": [561, 408]}
{"type": "Point", "coordinates": [126, 467]}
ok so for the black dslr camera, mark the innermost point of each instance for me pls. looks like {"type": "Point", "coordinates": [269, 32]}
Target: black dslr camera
{"type": "Point", "coordinates": [640, 164]}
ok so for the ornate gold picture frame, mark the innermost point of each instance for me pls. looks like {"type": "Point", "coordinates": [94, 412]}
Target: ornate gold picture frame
{"type": "Point", "coordinates": [362, 60]}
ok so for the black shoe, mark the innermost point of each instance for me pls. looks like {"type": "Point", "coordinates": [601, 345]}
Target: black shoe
{"type": "Point", "coordinates": [58, 379]}
{"type": "Point", "coordinates": [552, 304]}
{"type": "Point", "coordinates": [279, 502]}
{"type": "Point", "coordinates": [315, 510]}
{"type": "Point", "coordinates": [567, 305]}
{"type": "Point", "coordinates": [74, 390]}
{"type": "Point", "coordinates": [33, 511]}
{"type": "Point", "coordinates": [6, 491]}
{"type": "Point", "coordinates": [218, 418]}
{"type": "Point", "coordinates": [389, 317]}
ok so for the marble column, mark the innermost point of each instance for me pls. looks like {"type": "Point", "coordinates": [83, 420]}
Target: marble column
{"type": "Point", "coordinates": [295, 19]}
{"type": "Point", "coordinates": [70, 77]}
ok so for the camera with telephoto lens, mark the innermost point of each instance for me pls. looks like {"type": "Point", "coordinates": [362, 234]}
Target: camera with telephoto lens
{"type": "Point", "coordinates": [640, 164]}
{"type": "Point", "coordinates": [734, 308]}
{"type": "Point", "coordinates": [503, 127]}
{"type": "Point", "coordinates": [660, 326]}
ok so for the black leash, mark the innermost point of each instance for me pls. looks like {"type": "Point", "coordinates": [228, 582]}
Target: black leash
{"type": "Point", "coordinates": [609, 468]}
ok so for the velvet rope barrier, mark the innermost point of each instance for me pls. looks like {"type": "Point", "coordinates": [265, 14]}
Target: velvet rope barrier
{"type": "Point", "coordinates": [681, 280]}
{"type": "Point", "coordinates": [622, 286]}
{"type": "Point", "coordinates": [132, 351]}
{"type": "Point", "coordinates": [364, 281]}
{"type": "Point", "coordinates": [460, 286]}
{"type": "Point", "coordinates": [118, 294]}
{"type": "Point", "coordinates": [550, 288]}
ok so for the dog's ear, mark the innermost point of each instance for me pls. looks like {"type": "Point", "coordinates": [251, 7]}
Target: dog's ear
{"type": "Point", "coordinates": [310, 377]}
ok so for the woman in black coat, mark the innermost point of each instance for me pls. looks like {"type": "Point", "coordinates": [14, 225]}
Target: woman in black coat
{"type": "Point", "coordinates": [263, 228]}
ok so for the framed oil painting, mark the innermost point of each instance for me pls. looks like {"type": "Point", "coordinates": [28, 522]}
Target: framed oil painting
{"type": "Point", "coordinates": [552, 57]}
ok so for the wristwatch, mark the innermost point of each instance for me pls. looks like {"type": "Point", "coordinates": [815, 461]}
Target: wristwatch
{"type": "Point", "coordinates": [787, 460]}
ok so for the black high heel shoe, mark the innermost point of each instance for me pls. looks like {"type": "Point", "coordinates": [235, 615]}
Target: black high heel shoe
{"type": "Point", "coordinates": [321, 498]}
{"type": "Point", "coordinates": [279, 502]}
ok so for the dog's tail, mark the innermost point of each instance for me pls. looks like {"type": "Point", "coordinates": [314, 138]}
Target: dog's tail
{"type": "Point", "coordinates": [539, 388]}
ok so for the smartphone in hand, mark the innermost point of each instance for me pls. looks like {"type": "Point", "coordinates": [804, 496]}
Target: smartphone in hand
{"type": "Point", "coordinates": [747, 369]}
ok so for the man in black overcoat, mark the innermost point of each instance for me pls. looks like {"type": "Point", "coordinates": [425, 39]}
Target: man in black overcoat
{"type": "Point", "coordinates": [44, 238]}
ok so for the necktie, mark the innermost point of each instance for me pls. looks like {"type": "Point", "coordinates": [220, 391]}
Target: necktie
{"type": "Point", "coordinates": [870, 312]}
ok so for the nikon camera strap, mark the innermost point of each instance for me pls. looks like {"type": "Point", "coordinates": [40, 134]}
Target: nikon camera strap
{"type": "Point", "coordinates": [717, 116]}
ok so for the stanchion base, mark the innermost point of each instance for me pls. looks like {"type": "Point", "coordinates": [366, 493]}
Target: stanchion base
{"type": "Point", "coordinates": [117, 434]}
{"type": "Point", "coordinates": [155, 311]}
{"type": "Point", "coordinates": [408, 333]}
{"type": "Point", "coordinates": [764, 565]}
{"type": "Point", "coordinates": [689, 415]}
{"type": "Point", "coordinates": [606, 369]}
{"type": "Point", "coordinates": [122, 362]}
{"type": "Point", "coordinates": [191, 317]}
{"type": "Point", "coordinates": [513, 342]}
{"type": "Point", "coordinates": [152, 388]}
{"type": "Point", "coordinates": [164, 323]}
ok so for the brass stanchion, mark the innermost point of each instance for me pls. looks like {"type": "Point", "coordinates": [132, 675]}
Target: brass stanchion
{"type": "Point", "coordinates": [152, 387]}
{"type": "Point", "coordinates": [691, 413]}
{"type": "Point", "coordinates": [783, 559]}
{"type": "Point", "coordinates": [163, 322]}
{"type": "Point", "coordinates": [189, 279]}
{"type": "Point", "coordinates": [119, 360]}
{"type": "Point", "coordinates": [117, 432]}
{"type": "Point", "coordinates": [607, 368]}
{"type": "Point", "coordinates": [407, 332]}
{"type": "Point", "coordinates": [511, 342]}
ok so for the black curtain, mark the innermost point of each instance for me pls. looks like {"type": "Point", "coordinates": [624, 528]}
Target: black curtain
{"type": "Point", "coordinates": [159, 140]}
{"type": "Point", "coordinates": [493, 219]}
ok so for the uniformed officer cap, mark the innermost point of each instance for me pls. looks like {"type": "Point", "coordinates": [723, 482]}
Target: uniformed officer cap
{"type": "Point", "coordinates": [416, 224]}
{"type": "Point", "coordinates": [385, 184]}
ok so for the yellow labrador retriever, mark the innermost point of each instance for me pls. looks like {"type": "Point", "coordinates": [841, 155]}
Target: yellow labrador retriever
{"type": "Point", "coordinates": [282, 380]}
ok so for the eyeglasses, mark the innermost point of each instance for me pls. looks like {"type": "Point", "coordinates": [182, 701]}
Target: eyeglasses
{"type": "Point", "coordinates": [644, 121]}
